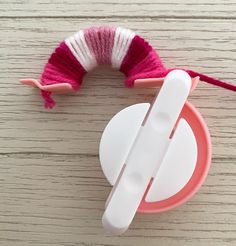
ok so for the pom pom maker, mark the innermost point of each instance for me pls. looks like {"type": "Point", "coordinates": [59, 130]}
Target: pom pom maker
{"type": "Point", "coordinates": [155, 156]}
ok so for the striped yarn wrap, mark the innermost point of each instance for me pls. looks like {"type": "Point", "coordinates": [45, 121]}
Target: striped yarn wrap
{"type": "Point", "coordinates": [118, 47]}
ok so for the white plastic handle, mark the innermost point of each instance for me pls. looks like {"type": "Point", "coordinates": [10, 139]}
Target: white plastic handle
{"type": "Point", "coordinates": [147, 152]}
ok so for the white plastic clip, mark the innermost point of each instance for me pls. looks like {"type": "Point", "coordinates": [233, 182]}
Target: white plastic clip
{"type": "Point", "coordinates": [141, 156]}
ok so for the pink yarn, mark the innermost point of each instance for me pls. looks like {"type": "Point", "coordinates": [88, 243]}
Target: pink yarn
{"type": "Point", "coordinates": [139, 61]}
{"type": "Point", "coordinates": [100, 41]}
{"type": "Point", "coordinates": [141, 58]}
{"type": "Point", "coordinates": [63, 67]}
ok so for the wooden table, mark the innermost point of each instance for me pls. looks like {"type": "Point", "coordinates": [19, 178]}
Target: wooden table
{"type": "Point", "coordinates": [52, 189]}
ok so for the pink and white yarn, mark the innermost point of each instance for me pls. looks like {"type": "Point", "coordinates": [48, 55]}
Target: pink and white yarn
{"type": "Point", "coordinates": [96, 46]}
{"type": "Point", "coordinates": [119, 47]}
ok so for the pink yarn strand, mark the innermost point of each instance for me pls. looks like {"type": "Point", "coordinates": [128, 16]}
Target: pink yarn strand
{"type": "Point", "coordinates": [48, 101]}
{"type": "Point", "coordinates": [212, 81]}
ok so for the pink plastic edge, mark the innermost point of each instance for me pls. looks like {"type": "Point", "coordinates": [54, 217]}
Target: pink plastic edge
{"type": "Point", "coordinates": [152, 207]}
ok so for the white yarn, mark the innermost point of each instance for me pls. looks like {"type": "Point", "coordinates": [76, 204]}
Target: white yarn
{"type": "Point", "coordinates": [79, 48]}
{"type": "Point", "coordinates": [122, 41]}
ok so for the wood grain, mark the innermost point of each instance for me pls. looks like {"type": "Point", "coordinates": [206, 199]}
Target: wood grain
{"type": "Point", "coordinates": [111, 8]}
{"type": "Point", "coordinates": [51, 185]}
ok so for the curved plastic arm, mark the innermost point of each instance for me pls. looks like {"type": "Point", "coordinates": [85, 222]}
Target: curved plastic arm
{"type": "Point", "coordinates": [56, 88]}
{"type": "Point", "coordinates": [158, 82]}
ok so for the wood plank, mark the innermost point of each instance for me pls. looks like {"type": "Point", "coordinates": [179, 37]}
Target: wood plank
{"type": "Point", "coordinates": [122, 8]}
{"type": "Point", "coordinates": [59, 200]}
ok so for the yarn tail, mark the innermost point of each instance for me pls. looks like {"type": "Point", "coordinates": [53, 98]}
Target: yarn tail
{"type": "Point", "coordinates": [48, 101]}
{"type": "Point", "coordinates": [212, 81]}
